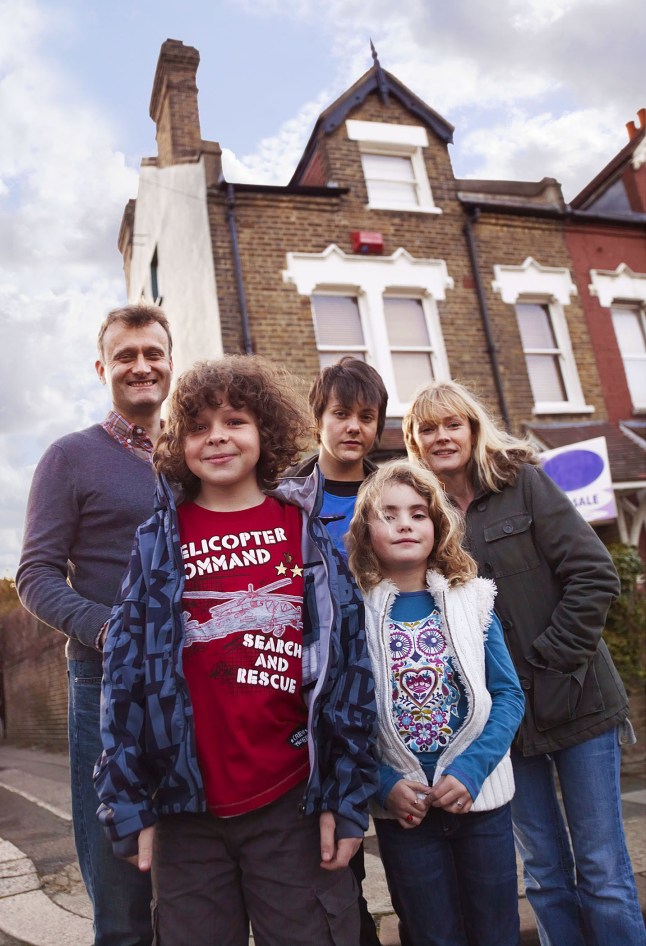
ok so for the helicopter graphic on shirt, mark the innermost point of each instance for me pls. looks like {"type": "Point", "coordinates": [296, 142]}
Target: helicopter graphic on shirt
{"type": "Point", "coordinates": [254, 609]}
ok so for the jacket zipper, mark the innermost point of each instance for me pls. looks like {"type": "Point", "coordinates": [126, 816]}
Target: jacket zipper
{"type": "Point", "coordinates": [189, 759]}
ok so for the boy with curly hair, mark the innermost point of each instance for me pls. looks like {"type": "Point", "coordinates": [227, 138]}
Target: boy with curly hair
{"type": "Point", "coordinates": [238, 701]}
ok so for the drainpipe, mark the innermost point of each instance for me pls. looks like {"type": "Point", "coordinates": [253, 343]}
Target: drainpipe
{"type": "Point", "coordinates": [473, 217]}
{"type": "Point", "coordinates": [237, 266]}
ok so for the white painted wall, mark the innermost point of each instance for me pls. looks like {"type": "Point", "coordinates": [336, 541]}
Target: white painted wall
{"type": "Point", "coordinates": [171, 214]}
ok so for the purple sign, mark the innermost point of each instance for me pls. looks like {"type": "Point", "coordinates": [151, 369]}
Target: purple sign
{"type": "Point", "coordinates": [575, 469]}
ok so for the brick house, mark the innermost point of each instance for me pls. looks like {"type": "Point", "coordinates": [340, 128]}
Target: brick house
{"type": "Point", "coordinates": [606, 237]}
{"type": "Point", "coordinates": [375, 248]}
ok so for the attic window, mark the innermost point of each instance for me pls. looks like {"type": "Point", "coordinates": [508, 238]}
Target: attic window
{"type": "Point", "coordinates": [393, 165]}
{"type": "Point", "coordinates": [390, 180]}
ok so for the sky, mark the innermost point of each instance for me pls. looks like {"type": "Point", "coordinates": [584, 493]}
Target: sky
{"type": "Point", "coordinates": [534, 88]}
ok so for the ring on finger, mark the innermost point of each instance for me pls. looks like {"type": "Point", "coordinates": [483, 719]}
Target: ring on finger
{"type": "Point", "coordinates": [459, 804]}
{"type": "Point", "coordinates": [409, 819]}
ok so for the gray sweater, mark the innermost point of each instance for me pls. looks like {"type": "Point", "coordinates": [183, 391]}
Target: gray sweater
{"type": "Point", "coordinates": [87, 498]}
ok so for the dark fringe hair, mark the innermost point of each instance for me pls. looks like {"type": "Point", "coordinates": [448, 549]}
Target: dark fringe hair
{"type": "Point", "coordinates": [353, 382]}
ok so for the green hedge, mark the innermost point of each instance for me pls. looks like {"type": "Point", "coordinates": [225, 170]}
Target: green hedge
{"type": "Point", "coordinates": [625, 632]}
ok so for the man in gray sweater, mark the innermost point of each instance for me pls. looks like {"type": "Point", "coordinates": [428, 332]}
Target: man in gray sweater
{"type": "Point", "coordinates": [90, 491]}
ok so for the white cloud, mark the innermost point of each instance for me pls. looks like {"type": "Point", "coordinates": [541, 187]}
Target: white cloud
{"type": "Point", "coordinates": [276, 157]}
{"type": "Point", "coordinates": [563, 67]}
{"type": "Point", "coordinates": [64, 187]}
{"type": "Point", "coordinates": [570, 147]}
{"type": "Point", "coordinates": [534, 87]}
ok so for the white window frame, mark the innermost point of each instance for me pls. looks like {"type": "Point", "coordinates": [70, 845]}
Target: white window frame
{"type": "Point", "coordinates": [369, 279]}
{"type": "Point", "coordinates": [638, 357]}
{"type": "Point", "coordinates": [551, 286]}
{"type": "Point", "coordinates": [617, 287]}
{"type": "Point", "coordinates": [400, 141]}
{"type": "Point", "coordinates": [340, 350]}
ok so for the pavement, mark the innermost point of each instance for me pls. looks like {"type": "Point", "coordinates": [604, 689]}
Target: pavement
{"type": "Point", "coordinates": [50, 907]}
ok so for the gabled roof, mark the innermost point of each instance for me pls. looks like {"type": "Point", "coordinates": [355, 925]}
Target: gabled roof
{"type": "Point", "coordinates": [611, 173]}
{"type": "Point", "coordinates": [378, 80]}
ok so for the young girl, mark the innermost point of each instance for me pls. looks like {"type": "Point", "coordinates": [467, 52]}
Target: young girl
{"type": "Point", "coordinates": [448, 704]}
{"type": "Point", "coordinates": [238, 703]}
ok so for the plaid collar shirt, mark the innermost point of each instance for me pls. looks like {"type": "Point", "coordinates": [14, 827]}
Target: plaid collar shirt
{"type": "Point", "coordinates": [131, 436]}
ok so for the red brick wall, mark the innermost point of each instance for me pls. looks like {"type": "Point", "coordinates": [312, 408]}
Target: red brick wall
{"type": "Point", "coordinates": [603, 247]}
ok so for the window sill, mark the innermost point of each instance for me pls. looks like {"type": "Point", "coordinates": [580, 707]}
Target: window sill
{"type": "Point", "coordinates": [563, 408]}
{"type": "Point", "coordinates": [406, 209]}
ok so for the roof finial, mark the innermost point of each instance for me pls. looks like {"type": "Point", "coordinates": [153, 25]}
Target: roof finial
{"type": "Point", "coordinates": [382, 82]}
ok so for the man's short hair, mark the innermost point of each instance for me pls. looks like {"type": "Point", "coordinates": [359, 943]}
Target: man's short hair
{"type": "Point", "coordinates": [134, 316]}
{"type": "Point", "coordinates": [353, 382]}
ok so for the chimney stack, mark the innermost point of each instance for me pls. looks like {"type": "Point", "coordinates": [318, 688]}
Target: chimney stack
{"type": "Point", "coordinates": [632, 129]}
{"type": "Point", "coordinates": [173, 104]}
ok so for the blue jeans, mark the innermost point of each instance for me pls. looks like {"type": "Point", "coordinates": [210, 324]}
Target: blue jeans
{"type": "Point", "coordinates": [452, 879]}
{"type": "Point", "coordinates": [583, 894]}
{"type": "Point", "coordinates": [119, 893]}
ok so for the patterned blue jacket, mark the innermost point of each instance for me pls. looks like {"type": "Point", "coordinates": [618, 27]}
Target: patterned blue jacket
{"type": "Point", "coordinates": [149, 765]}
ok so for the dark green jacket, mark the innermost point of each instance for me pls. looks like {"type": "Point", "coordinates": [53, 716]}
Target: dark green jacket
{"type": "Point", "coordinates": [555, 582]}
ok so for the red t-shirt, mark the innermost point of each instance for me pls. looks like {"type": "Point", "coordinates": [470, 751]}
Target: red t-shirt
{"type": "Point", "coordinates": [242, 655]}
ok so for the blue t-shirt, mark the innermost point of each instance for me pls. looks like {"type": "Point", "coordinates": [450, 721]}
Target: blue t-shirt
{"type": "Point", "coordinates": [339, 500]}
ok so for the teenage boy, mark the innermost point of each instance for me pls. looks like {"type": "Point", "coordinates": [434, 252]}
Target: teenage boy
{"type": "Point", "coordinates": [348, 404]}
{"type": "Point", "coordinates": [90, 491]}
{"type": "Point", "coordinates": [238, 698]}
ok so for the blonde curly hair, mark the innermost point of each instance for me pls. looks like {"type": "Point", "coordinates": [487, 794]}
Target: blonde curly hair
{"type": "Point", "coordinates": [448, 557]}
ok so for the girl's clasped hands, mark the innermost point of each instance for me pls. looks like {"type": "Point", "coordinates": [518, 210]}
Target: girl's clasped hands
{"type": "Point", "coordinates": [409, 800]}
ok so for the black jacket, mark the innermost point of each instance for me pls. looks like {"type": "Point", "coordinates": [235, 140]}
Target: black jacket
{"type": "Point", "coordinates": [555, 582]}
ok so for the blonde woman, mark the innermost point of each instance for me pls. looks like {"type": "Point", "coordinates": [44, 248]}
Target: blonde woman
{"type": "Point", "coordinates": [555, 583]}
{"type": "Point", "coordinates": [448, 705]}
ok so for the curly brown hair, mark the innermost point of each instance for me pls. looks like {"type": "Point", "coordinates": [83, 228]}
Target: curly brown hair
{"type": "Point", "coordinates": [248, 381]}
{"type": "Point", "coordinates": [448, 557]}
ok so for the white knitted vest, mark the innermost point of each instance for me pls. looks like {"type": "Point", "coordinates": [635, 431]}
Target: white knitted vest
{"type": "Point", "coordinates": [466, 612]}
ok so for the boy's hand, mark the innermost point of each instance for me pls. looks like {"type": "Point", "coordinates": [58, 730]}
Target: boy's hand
{"type": "Point", "coordinates": [409, 802]}
{"type": "Point", "coordinates": [450, 794]}
{"type": "Point", "coordinates": [335, 854]}
{"type": "Point", "coordinates": [144, 858]}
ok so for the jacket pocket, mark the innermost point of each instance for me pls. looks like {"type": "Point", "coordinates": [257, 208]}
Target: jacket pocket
{"type": "Point", "coordinates": [561, 697]}
{"type": "Point", "coordinates": [510, 546]}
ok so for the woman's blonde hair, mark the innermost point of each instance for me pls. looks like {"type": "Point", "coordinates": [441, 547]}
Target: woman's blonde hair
{"type": "Point", "coordinates": [448, 557]}
{"type": "Point", "coordinates": [496, 456]}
